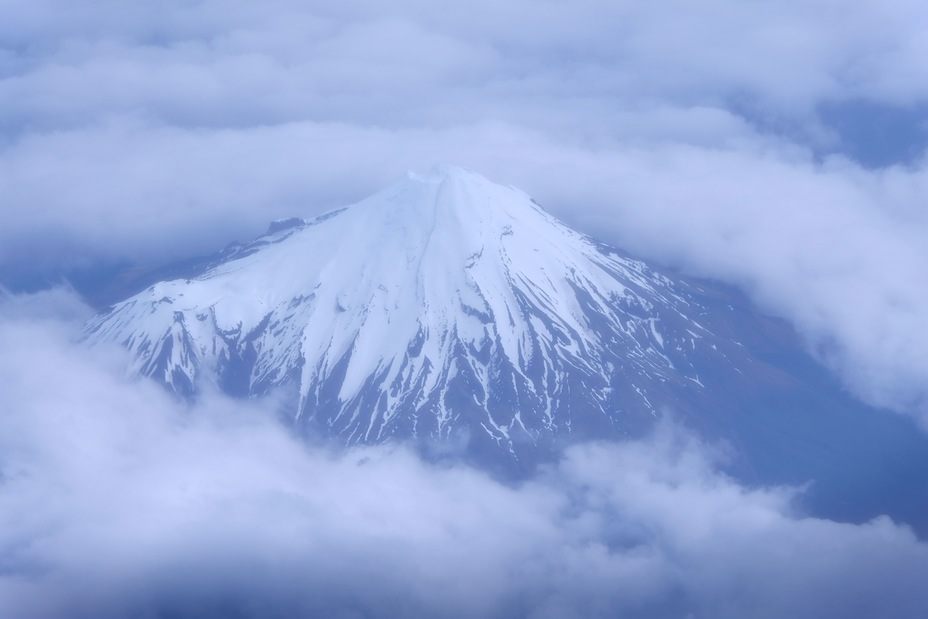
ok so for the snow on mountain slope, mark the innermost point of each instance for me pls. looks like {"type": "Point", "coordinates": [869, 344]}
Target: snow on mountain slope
{"type": "Point", "coordinates": [445, 304]}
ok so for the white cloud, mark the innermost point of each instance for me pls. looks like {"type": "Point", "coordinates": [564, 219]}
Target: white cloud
{"type": "Point", "coordinates": [838, 250]}
{"type": "Point", "coordinates": [117, 500]}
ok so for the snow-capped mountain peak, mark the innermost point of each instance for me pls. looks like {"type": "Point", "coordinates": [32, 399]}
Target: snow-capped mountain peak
{"type": "Point", "coordinates": [443, 303]}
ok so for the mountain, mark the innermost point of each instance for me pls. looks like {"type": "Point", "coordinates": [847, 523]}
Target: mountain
{"type": "Point", "coordinates": [453, 312]}
{"type": "Point", "coordinates": [445, 304]}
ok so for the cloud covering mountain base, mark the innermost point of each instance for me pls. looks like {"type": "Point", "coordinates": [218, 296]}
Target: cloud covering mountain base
{"type": "Point", "coordinates": [116, 500]}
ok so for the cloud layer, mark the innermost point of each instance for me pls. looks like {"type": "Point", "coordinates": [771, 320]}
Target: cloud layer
{"type": "Point", "coordinates": [118, 501]}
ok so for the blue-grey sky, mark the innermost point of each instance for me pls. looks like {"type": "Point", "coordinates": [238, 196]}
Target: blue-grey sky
{"type": "Point", "coordinates": [776, 146]}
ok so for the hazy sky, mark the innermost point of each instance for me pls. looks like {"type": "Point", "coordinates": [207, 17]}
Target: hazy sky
{"type": "Point", "coordinates": [777, 146]}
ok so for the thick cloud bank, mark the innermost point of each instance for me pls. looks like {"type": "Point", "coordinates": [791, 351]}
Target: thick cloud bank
{"type": "Point", "coordinates": [117, 501]}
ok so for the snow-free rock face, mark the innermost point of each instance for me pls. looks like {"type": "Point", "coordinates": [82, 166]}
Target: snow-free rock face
{"type": "Point", "coordinates": [443, 306]}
